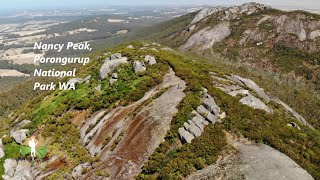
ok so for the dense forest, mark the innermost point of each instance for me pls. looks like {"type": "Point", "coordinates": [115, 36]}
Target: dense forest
{"type": "Point", "coordinates": [24, 68]}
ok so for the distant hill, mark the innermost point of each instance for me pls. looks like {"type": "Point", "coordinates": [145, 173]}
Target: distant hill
{"type": "Point", "coordinates": [287, 42]}
{"type": "Point", "coordinates": [274, 47]}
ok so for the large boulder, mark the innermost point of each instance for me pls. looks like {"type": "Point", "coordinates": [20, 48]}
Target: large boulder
{"type": "Point", "coordinates": [194, 130]}
{"type": "Point", "coordinates": [87, 79]}
{"type": "Point", "coordinates": [20, 135]}
{"type": "Point", "coordinates": [9, 168]}
{"type": "Point", "coordinates": [150, 60]}
{"type": "Point", "coordinates": [207, 37]}
{"type": "Point", "coordinates": [139, 66]}
{"type": "Point", "coordinates": [314, 34]}
{"type": "Point", "coordinates": [75, 81]}
{"type": "Point", "coordinates": [77, 171]}
{"type": "Point", "coordinates": [115, 56]}
{"type": "Point", "coordinates": [212, 118]}
{"type": "Point", "coordinates": [98, 88]}
{"type": "Point", "coordinates": [199, 118]}
{"type": "Point", "coordinates": [211, 105]}
{"type": "Point", "coordinates": [255, 103]}
{"type": "Point", "coordinates": [264, 19]}
{"type": "Point", "coordinates": [198, 124]}
{"type": "Point", "coordinates": [295, 125]}
{"type": "Point", "coordinates": [185, 135]}
{"type": "Point", "coordinates": [186, 125]}
{"type": "Point", "coordinates": [202, 111]}
{"type": "Point", "coordinates": [114, 78]}
{"type": "Point", "coordinates": [23, 171]}
{"type": "Point", "coordinates": [110, 65]}
{"type": "Point", "coordinates": [18, 171]}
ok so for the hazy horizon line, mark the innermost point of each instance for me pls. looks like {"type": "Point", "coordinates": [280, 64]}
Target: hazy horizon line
{"type": "Point", "coordinates": [106, 5]}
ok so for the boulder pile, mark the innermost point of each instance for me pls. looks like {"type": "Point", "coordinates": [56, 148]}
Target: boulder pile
{"type": "Point", "coordinates": [208, 112]}
{"type": "Point", "coordinates": [14, 170]}
{"type": "Point", "coordinates": [111, 63]}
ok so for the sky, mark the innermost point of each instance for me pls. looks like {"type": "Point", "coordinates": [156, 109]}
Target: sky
{"type": "Point", "coordinates": [38, 4]}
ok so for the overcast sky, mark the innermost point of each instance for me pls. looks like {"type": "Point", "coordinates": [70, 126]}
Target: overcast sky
{"type": "Point", "coordinates": [27, 4]}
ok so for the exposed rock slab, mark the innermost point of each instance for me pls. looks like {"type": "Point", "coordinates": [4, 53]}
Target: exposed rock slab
{"type": "Point", "coordinates": [293, 112]}
{"type": "Point", "coordinates": [207, 37]}
{"type": "Point", "coordinates": [254, 87]}
{"type": "Point", "coordinates": [106, 128]}
{"type": "Point", "coordinates": [145, 131]}
{"type": "Point", "coordinates": [253, 161]}
{"type": "Point", "coordinates": [314, 34]}
{"type": "Point", "coordinates": [90, 122]}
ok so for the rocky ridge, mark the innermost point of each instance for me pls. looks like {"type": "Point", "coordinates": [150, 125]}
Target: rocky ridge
{"type": "Point", "coordinates": [123, 137]}
{"type": "Point", "coordinates": [234, 86]}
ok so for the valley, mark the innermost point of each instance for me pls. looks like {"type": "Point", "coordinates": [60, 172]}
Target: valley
{"type": "Point", "coordinates": [20, 32]}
